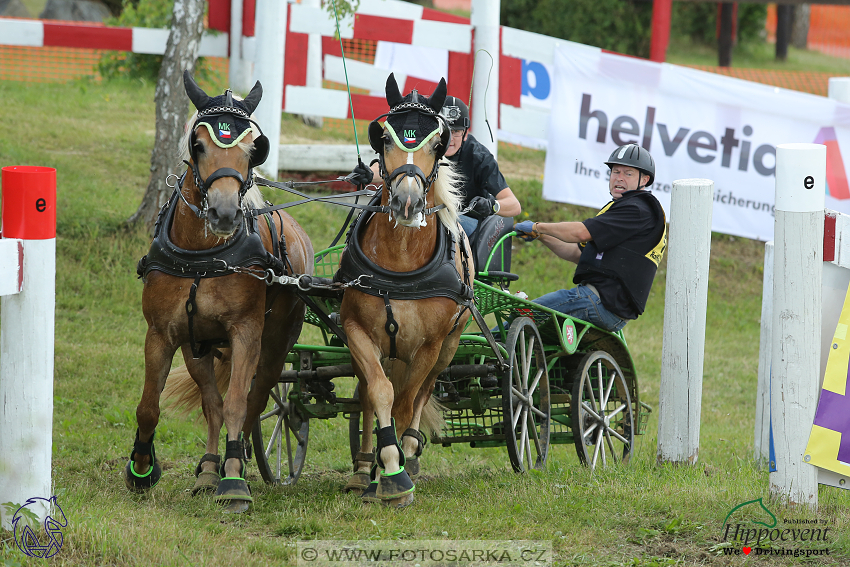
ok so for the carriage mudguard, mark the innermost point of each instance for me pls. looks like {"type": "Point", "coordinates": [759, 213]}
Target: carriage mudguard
{"type": "Point", "coordinates": [438, 278]}
{"type": "Point", "coordinates": [245, 248]}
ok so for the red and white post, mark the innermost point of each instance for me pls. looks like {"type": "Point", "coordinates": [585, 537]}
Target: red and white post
{"type": "Point", "coordinates": [28, 251]}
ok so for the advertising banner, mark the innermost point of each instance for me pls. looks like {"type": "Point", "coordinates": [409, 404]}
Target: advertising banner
{"type": "Point", "coordinates": [695, 124]}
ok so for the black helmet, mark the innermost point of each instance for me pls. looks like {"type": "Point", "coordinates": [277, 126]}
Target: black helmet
{"type": "Point", "coordinates": [632, 155]}
{"type": "Point", "coordinates": [456, 113]}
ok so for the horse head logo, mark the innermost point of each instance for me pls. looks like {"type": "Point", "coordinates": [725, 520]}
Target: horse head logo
{"type": "Point", "coordinates": [29, 542]}
{"type": "Point", "coordinates": [750, 512]}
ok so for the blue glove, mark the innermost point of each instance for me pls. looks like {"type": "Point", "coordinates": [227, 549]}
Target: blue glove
{"type": "Point", "coordinates": [361, 175]}
{"type": "Point", "coordinates": [525, 230]}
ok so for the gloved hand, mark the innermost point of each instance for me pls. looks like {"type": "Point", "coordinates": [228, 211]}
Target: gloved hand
{"type": "Point", "coordinates": [482, 207]}
{"type": "Point", "coordinates": [360, 175]}
{"type": "Point", "coordinates": [525, 230]}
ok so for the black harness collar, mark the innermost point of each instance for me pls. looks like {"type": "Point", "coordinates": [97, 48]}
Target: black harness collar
{"type": "Point", "coordinates": [438, 278]}
{"type": "Point", "coordinates": [239, 253]}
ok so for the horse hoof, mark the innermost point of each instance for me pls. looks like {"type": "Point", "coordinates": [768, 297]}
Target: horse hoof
{"type": "Point", "coordinates": [370, 495]}
{"type": "Point", "coordinates": [141, 483]}
{"type": "Point", "coordinates": [411, 465]}
{"type": "Point", "coordinates": [395, 486]}
{"type": "Point", "coordinates": [235, 494]}
{"type": "Point", "coordinates": [357, 483]}
{"type": "Point", "coordinates": [207, 481]}
{"type": "Point", "coordinates": [405, 500]}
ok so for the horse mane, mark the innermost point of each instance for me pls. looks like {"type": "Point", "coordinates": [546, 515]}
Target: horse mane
{"type": "Point", "coordinates": [253, 198]}
{"type": "Point", "coordinates": [447, 191]}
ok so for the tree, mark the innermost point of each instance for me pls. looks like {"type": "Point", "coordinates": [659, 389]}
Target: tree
{"type": "Point", "coordinates": [172, 105]}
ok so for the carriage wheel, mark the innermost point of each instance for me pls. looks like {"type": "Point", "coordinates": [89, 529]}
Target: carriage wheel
{"type": "Point", "coordinates": [525, 398]}
{"type": "Point", "coordinates": [280, 435]}
{"type": "Point", "coordinates": [603, 422]}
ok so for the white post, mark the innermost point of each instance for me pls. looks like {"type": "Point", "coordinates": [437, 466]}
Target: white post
{"type": "Point", "coordinates": [314, 65]}
{"type": "Point", "coordinates": [685, 304]}
{"type": "Point", "coordinates": [268, 69]}
{"type": "Point", "coordinates": [761, 436]}
{"type": "Point", "coordinates": [798, 258]}
{"type": "Point", "coordinates": [485, 99]}
{"type": "Point", "coordinates": [26, 342]}
{"type": "Point", "coordinates": [238, 65]}
{"type": "Point", "coordinates": [839, 89]}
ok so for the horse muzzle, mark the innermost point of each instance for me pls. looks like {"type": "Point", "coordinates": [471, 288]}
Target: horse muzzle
{"type": "Point", "coordinates": [407, 205]}
{"type": "Point", "coordinates": [224, 215]}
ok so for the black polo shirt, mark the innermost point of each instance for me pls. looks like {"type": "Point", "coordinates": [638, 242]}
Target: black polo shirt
{"type": "Point", "coordinates": [632, 221]}
{"type": "Point", "coordinates": [481, 175]}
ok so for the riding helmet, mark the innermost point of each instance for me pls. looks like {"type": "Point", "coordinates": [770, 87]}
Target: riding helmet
{"type": "Point", "coordinates": [456, 113]}
{"type": "Point", "coordinates": [632, 155]}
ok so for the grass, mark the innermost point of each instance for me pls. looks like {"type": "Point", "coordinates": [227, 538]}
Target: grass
{"type": "Point", "coordinates": [642, 514]}
{"type": "Point", "coordinates": [756, 55]}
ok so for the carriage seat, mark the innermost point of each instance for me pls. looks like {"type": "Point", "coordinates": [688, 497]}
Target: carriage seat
{"type": "Point", "coordinates": [485, 237]}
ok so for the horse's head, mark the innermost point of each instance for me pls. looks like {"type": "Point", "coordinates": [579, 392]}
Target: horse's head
{"type": "Point", "coordinates": [224, 145]}
{"type": "Point", "coordinates": [411, 141]}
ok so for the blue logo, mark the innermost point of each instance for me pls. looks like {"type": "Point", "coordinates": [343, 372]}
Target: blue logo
{"type": "Point", "coordinates": [42, 545]}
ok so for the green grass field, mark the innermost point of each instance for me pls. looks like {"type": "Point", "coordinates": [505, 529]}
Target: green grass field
{"type": "Point", "coordinates": [99, 139]}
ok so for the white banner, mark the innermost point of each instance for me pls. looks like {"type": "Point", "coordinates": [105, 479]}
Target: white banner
{"type": "Point", "coordinates": [696, 125]}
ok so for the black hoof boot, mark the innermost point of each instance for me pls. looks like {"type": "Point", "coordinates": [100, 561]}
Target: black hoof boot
{"type": "Point", "coordinates": [142, 482]}
{"type": "Point", "coordinates": [207, 481]}
{"type": "Point", "coordinates": [396, 489]}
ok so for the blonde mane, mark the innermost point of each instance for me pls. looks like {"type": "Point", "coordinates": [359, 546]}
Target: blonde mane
{"type": "Point", "coordinates": [447, 191]}
{"type": "Point", "coordinates": [253, 198]}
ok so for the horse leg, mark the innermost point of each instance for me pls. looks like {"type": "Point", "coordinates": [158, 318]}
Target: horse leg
{"type": "Point", "coordinates": [365, 457]}
{"type": "Point", "coordinates": [202, 371]}
{"type": "Point", "coordinates": [412, 441]}
{"type": "Point", "coordinates": [143, 471]}
{"type": "Point", "coordinates": [398, 488]}
{"type": "Point", "coordinates": [233, 490]}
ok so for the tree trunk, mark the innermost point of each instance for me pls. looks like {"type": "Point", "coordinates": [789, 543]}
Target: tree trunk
{"type": "Point", "coordinates": [784, 13]}
{"type": "Point", "coordinates": [800, 29]}
{"type": "Point", "coordinates": [172, 104]}
{"type": "Point", "coordinates": [724, 42]}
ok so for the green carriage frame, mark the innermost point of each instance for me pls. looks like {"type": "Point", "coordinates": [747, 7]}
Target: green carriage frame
{"type": "Point", "coordinates": [571, 366]}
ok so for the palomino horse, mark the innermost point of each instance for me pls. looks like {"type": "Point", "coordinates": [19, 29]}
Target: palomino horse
{"type": "Point", "coordinates": [206, 281]}
{"type": "Point", "coordinates": [404, 315]}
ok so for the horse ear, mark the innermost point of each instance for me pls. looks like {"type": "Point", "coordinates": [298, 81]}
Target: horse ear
{"type": "Point", "coordinates": [438, 97]}
{"type": "Point", "coordinates": [253, 98]}
{"type": "Point", "coordinates": [393, 94]}
{"type": "Point", "coordinates": [196, 94]}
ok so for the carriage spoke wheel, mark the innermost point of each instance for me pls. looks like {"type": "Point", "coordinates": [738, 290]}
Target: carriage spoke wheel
{"type": "Point", "coordinates": [525, 398]}
{"type": "Point", "coordinates": [280, 439]}
{"type": "Point", "coordinates": [601, 408]}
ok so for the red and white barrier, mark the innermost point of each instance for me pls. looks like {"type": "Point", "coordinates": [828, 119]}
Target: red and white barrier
{"type": "Point", "coordinates": [28, 253]}
{"type": "Point", "coordinates": [43, 33]}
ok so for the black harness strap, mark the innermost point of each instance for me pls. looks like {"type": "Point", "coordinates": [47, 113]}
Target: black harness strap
{"type": "Point", "coordinates": [391, 327]}
{"type": "Point", "coordinates": [201, 348]}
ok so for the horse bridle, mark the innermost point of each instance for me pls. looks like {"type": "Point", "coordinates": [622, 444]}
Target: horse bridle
{"type": "Point", "coordinates": [204, 185]}
{"type": "Point", "coordinates": [411, 169]}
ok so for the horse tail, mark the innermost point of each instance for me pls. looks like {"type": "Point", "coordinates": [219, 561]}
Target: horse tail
{"type": "Point", "coordinates": [182, 391]}
{"type": "Point", "coordinates": [431, 422]}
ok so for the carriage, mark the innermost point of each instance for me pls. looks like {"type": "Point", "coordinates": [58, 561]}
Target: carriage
{"type": "Point", "coordinates": [543, 378]}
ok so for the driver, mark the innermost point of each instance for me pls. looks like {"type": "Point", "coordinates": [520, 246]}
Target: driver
{"type": "Point", "coordinates": [617, 251]}
{"type": "Point", "coordinates": [485, 191]}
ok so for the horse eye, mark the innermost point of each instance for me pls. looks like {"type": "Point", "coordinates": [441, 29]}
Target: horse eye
{"type": "Point", "coordinates": [199, 147]}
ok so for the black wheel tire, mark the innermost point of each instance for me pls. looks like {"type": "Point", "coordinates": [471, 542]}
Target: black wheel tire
{"type": "Point", "coordinates": [527, 416]}
{"type": "Point", "coordinates": [602, 426]}
{"type": "Point", "coordinates": [280, 434]}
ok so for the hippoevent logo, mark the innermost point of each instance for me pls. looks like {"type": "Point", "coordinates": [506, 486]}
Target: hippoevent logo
{"type": "Point", "coordinates": [751, 528]}
{"type": "Point", "coordinates": [35, 542]}
{"type": "Point", "coordinates": [836, 177]}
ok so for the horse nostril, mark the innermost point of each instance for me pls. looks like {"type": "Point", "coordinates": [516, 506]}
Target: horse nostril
{"type": "Point", "coordinates": [212, 214]}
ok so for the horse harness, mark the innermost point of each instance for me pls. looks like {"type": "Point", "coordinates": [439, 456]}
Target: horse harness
{"type": "Point", "coordinates": [243, 253]}
{"type": "Point", "coordinates": [438, 278]}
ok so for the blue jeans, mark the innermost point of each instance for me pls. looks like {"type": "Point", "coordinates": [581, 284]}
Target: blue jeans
{"type": "Point", "coordinates": [468, 224]}
{"type": "Point", "coordinates": [583, 304]}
